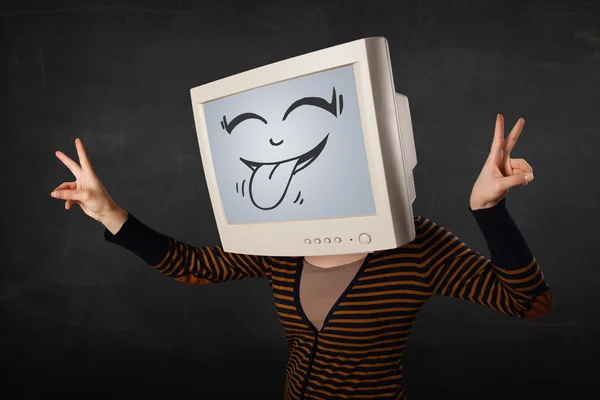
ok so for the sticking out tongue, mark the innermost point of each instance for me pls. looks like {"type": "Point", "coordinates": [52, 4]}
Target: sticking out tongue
{"type": "Point", "coordinates": [269, 183]}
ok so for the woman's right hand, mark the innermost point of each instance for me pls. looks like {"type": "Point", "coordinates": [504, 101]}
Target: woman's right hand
{"type": "Point", "coordinates": [87, 190]}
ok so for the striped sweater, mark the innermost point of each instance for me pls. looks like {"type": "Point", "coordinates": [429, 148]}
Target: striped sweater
{"type": "Point", "coordinates": [358, 352]}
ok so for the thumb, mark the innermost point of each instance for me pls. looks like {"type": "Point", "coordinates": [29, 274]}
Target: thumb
{"type": "Point", "coordinates": [78, 195]}
{"type": "Point", "coordinates": [516, 180]}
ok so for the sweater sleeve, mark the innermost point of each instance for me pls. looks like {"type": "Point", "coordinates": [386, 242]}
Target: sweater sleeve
{"type": "Point", "coordinates": [184, 262]}
{"type": "Point", "coordinates": [510, 282]}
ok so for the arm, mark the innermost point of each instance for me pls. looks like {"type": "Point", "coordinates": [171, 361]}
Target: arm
{"type": "Point", "coordinates": [181, 261]}
{"type": "Point", "coordinates": [511, 282]}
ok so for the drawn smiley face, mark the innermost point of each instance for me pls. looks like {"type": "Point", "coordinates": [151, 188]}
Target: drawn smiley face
{"type": "Point", "coordinates": [270, 180]}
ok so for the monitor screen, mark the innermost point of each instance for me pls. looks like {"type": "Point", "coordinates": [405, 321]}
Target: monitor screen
{"type": "Point", "coordinates": [292, 150]}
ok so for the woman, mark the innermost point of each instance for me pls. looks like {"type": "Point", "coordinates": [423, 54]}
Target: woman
{"type": "Point", "coordinates": [347, 318]}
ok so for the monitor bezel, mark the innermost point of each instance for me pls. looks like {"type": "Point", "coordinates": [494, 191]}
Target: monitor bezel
{"type": "Point", "coordinates": [268, 238]}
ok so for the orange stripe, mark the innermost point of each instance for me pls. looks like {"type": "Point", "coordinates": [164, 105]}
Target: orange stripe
{"type": "Point", "coordinates": [393, 333]}
{"type": "Point", "coordinates": [354, 395]}
{"type": "Point", "coordinates": [374, 302]}
{"type": "Point", "coordinates": [282, 297]}
{"type": "Point", "coordinates": [346, 351]}
{"type": "Point", "coordinates": [344, 396]}
{"type": "Point", "coordinates": [281, 279]}
{"type": "Point", "coordinates": [392, 257]}
{"type": "Point", "coordinates": [288, 330]}
{"type": "Point", "coordinates": [358, 373]}
{"type": "Point", "coordinates": [382, 284]}
{"type": "Point", "coordinates": [314, 396]}
{"type": "Point", "coordinates": [363, 321]}
{"type": "Point", "coordinates": [297, 337]}
{"type": "Point", "coordinates": [195, 266]}
{"type": "Point", "coordinates": [498, 297]}
{"type": "Point", "coordinates": [371, 344]}
{"type": "Point", "coordinates": [485, 285]}
{"type": "Point", "coordinates": [380, 310]}
{"type": "Point", "coordinates": [283, 262]}
{"type": "Point", "coordinates": [283, 271]}
{"type": "Point", "coordinates": [370, 329]}
{"type": "Point", "coordinates": [286, 323]}
{"type": "Point", "coordinates": [534, 273]}
{"type": "Point", "coordinates": [403, 264]}
{"type": "Point", "coordinates": [338, 366]}
{"type": "Point", "coordinates": [395, 356]}
{"type": "Point", "coordinates": [388, 292]}
{"type": "Point", "coordinates": [285, 306]}
{"type": "Point", "coordinates": [333, 379]}
{"type": "Point", "coordinates": [389, 275]}
{"type": "Point", "coordinates": [517, 271]}
{"type": "Point", "coordinates": [284, 288]}
{"type": "Point", "coordinates": [535, 285]}
{"type": "Point", "coordinates": [282, 314]}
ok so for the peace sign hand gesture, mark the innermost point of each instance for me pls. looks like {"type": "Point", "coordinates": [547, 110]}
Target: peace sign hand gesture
{"type": "Point", "coordinates": [87, 190]}
{"type": "Point", "coordinates": [500, 172]}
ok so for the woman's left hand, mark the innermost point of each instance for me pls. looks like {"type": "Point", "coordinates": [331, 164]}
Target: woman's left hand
{"type": "Point", "coordinates": [500, 172]}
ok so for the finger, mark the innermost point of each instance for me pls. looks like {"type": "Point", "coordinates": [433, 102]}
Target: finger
{"type": "Point", "coordinates": [520, 165]}
{"type": "Point", "coordinates": [69, 204]}
{"type": "Point", "coordinates": [513, 136]}
{"type": "Point", "coordinates": [507, 168]}
{"type": "Point", "coordinates": [509, 145]}
{"type": "Point", "coordinates": [498, 142]}
{"type": "Point", "coordinates": [66, 185]}
{"type": "Point", "coordinates": [72, 165]}
{"type": "Point", "coordinates": [515, 180]}
{"type": "Point", "coordinates": [78, 195]}
{"type": "Point", "coordinates": [83, 158]}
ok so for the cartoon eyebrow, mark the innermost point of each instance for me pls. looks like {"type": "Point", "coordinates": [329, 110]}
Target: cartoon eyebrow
{"type": "Point", "coordinates": [330, 106]}
{"type": "Point", "coordinates": [238, 120]}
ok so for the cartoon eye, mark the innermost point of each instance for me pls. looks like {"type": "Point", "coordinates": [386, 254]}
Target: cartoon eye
{"type": "Point", "coordinates": [228, 126]}
{"type": "Point", "coordinates": [330, 106]}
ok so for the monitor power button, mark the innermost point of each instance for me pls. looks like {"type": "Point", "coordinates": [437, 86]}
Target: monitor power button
{"type": "Point", "coordinates": [363, 238]}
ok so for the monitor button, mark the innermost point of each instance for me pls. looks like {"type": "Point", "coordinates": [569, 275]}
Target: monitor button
{"type": "Point", "coordinates": [327, 240]}
{"type": "Point", "coordinates": [363, 238]}
{"type": "Point", "coordinates": [338, 240]}
{"type": "Point", "coordinates": [318, 241]}
{"type": "Point", "coordinates": [307, 241]}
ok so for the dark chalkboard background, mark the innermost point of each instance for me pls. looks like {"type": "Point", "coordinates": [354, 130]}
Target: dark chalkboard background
{"type": "Point", "coordinates": [80, 316]}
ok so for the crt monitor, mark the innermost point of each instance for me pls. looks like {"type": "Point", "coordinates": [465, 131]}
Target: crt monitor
{"type": "Point", "coordinates": [312, 155]}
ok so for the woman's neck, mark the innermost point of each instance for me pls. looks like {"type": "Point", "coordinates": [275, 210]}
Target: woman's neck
{"type": "Point", "coordinates": [334, 261]}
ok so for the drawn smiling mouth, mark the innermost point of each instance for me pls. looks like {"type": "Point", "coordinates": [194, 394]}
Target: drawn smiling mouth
{"type": "Point", "coordinates": [270, 180]}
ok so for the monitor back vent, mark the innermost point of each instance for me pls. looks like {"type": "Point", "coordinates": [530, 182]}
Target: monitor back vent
{"type": "Point", "coordinates": [411, 187]}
